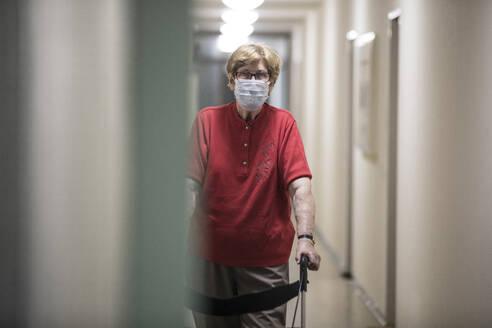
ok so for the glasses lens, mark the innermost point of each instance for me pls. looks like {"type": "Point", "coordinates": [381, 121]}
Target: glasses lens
{"type": "Point", "coordinates": [243, 75]}
{"type": "Point", "coordinates": [261, 76]}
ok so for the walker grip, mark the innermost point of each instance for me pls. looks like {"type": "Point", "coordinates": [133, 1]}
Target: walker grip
{"type": "Point", "coordinates": [304, 261]}
{"type": "Point", "coordinates": [303, 278]}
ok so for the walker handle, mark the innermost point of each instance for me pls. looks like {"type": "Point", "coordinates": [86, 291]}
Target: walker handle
{"type": "Point", "coordinates": [303, 272]}
{"type": "Point", "coordinates": [304, 261]}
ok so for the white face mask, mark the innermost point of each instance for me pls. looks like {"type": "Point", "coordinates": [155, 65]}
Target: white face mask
{"type": "Point", "coordinates": [251, 94]}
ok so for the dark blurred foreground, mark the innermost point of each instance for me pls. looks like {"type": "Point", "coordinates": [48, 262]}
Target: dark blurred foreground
{"type": "Point", "coordinates": [93, 116]}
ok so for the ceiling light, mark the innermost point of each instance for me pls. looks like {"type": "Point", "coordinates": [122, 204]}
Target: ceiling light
{"type": "Point", "coordinates": [229, 43]}
{"type": "Point", "coordinates": [242, 4]}
{"type": "Point", "coordinates": [364, 39]}
{"type": "Point", "coordinates": [352, 35]}
{"type": "Point", "coordinates": [394, 14]}
{"type": "Point", "coordinates": [236, 30]}
{"type": "Point", "coordinates": [247, 17]}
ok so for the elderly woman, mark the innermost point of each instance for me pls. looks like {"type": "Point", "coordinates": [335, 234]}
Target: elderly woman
{"type": "Point", "coordinates": [247, 162]}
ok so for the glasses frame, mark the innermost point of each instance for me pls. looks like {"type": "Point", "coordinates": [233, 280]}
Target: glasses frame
{"type": "Point", "coordinates": [250, 75]}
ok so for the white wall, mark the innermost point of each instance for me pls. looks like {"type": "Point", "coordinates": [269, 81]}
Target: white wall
{"type": "Point", "coordinates": [444, 226]}
{"type": "Point", "coordinates": [76, 161]}
{"type": "Point", "coordinates": [444, 183]}
{"type": "Point", "coordinates": [332, 117]}
{"type": "Point", "coordinates": [371, 172]}
{"type": "Point", "coordinates": [308, 112]}
{"type": "Point", "coordinates": [369, 196]}
{"type": "Point", "coordinates": [444, 275]}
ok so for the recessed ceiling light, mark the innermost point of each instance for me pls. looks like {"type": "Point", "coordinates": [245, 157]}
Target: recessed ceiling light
{"type": "Point", "coordinates": [243, 4]}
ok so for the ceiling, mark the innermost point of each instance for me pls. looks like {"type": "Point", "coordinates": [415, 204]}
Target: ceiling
{"type": "Point", "coordinates": [275, 15]}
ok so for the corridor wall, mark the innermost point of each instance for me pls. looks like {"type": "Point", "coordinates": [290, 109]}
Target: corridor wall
{"type": "Point", "coordinates": [332, 144]}
{"type": "Point", "coordinates": [369, 196]}
{"type": "Point", "coordinates": [444, 275]}
{"type": "Point", "coordinates": [370, 172]}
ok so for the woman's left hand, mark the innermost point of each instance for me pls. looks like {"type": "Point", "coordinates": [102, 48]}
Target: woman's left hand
{"type": "Point", "coordinates": [306, 247]}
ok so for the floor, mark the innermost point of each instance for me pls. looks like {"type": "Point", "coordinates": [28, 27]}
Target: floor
{"type": "Point", "coordinates": [330, 301]}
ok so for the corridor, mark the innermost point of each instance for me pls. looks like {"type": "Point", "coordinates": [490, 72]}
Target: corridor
{"type": "Point", "coordinates": [389, 105]}
{"type": "Point", "coordinates": [331, 301]}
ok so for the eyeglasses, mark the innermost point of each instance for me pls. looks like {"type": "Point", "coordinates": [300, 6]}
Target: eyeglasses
{"type": "Point", "coordinates": [245, 75]}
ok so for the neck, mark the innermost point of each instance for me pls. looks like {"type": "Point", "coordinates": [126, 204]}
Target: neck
{"type": "Point", "coordinates": [245, 114]}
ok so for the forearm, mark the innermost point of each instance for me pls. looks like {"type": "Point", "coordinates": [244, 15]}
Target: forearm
{"type": "Point", "coordinates": [303, 204]}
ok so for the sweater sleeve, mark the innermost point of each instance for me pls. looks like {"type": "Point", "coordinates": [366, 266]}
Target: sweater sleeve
{"type": "Point", "coordinates": [292, 159]}
{"type": "Point", "coordinates": [198, 150]}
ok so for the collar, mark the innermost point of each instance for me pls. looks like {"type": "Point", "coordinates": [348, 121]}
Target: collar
{"type": "Point", "coordinates": [243, 123]}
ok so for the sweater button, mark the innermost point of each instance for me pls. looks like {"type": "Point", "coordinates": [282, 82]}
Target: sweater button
{"type": "Point", "coordinates": [245, 145]}
{"type": "Point", "coordinates": [244, 163]}
{"type": "Point", "coordinates": [246, 127]}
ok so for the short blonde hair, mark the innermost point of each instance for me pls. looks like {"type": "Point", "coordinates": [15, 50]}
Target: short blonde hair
{"type": "Point", "coordinates": [252, 54]}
